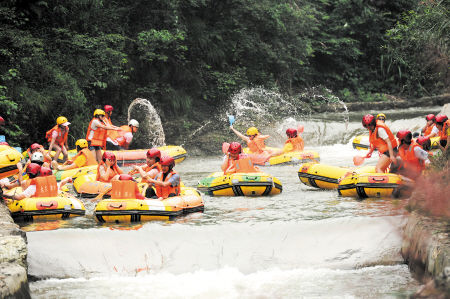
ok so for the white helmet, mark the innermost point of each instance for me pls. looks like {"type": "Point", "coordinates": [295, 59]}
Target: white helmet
{"type": "Point", "coordinates": [37, 157]}
{"type": "Point", "coordinates": [133, 123]}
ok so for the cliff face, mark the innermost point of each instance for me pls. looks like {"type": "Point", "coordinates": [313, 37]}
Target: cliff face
{"type": "Point", "coordinates": [426, 249]}
{"type": "Point", "coordinates": [13, 258]}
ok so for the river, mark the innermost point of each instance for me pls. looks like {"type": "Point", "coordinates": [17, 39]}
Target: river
{"type": "Point", "coordinates": [304, 242]}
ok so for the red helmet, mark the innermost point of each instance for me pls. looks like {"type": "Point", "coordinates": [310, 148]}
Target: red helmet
{"type": "Point", "coordinates": [422, 140]}
{"type": "Point", "coordinates": [441, 118]}
{"type": "Point", "coordinates": [33, 169]}
{"type": "Point", "coordinates": [430, 117]}
{"type": "Point", "coordinates": [368, 119]}
{"type": "Point", "coordinates": [154, 153]}
{"type": "Point", "coordinates": [2, 121]}
{"type": "Point", "coordinates": [4, 143]}
{"type": "Point", "coordinates": [108, 108]}
{"type": "Point", "coordinates": [45, 171]}
{"type": "Point", "coordinates": [404, 135]}
{"type": "Point", "coordinates": [291, 133]}
{"type": "Point", "coordinates": [125, 177]}
{"type": "Point", "coordinates": [109, 155]}
{"type": "Point", "coordinates": [167, 161]}
{"type": "Point", "coordinates": [235, 148]}
{"type": "Point", "coordinates": [35, 146]}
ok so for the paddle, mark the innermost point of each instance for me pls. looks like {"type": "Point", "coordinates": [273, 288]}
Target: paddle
{"type": "Point", "coordinates": [358, 160]}
{"type": "Point", "coordinates": [231, 119]}
{"type": "Point", "coordinates": [225, 147]}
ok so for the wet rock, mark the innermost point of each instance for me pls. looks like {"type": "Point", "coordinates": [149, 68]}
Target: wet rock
{"type": "Point", "coordinates": [13, 258]}
{"type": "Point", "coordinates": [446, 110]}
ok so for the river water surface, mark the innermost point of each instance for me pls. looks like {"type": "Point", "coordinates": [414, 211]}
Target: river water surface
{"type": "Point", "coordinates": [302, 243]}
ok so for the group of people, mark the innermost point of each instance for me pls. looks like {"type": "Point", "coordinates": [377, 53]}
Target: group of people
{"type": "Point", "coordinates": [93, 150]}
{"type": "Point", "coordinates": [402, 153]}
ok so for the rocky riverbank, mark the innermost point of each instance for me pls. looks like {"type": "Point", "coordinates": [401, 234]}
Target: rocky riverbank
{"type": "Point", "coordinates": [13, 258]}
{"type": "Point", "coordinates": [426, 249]}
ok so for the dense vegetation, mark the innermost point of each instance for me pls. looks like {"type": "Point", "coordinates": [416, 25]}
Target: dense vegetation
{"type": "Point", "coordinates": [70, 57]}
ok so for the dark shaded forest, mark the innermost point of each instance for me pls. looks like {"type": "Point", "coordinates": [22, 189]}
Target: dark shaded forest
{"type": "Point", "coordinates": [70, 57]}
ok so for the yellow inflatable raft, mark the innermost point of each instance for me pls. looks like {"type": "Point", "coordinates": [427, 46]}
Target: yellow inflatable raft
{"type": "Point", "coordinates": [131, 210]}
{"type": "Point", "coordinates": [240, 184]}
{"type": "Point", "coordinates": [364, 185]}
{"type": "Point", "coordinates": [75, 173]}
{"type": "Point", "coordinates": [62, 206]}
{"type": "Point", "coordinates": [326, 176]}
{"type": "Point", "coordinates": [87, 186]}
{"type": "Point", "coordinates": [286, 158]}
{"type": "Point", "coordinates": [9, 157]}
{"type": "Point", "coordinates": [127, 157]}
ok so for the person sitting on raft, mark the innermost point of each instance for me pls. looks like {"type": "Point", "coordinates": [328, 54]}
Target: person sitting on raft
{"type": "Point", "coordinates": [380, 138]}
{"type": "Point", "coordinates": [152, 168]}
{"type": "Point", "coordinates": [84, 157]}
{"type": "Point", "coordinates": [381, 117]}
{"type": "Point", "coordinates": [121, 140]}
{"type": "Point", "coordinates": [108, 170]}
{"type": "Point", "coordinates": [57, 138]}
{"type": "Point", "coordinates": [412, 158]}
{"type": "Point", "coordinates": [37, 187]}
{"type": "Point", "coordinates": [96, 133]}
{"type": "Point", "coordinates": [126, 190]}
{"type": "Point", "coordinates": [425, 143]}
{"type": "Point", "coordinates": [166, 183]}
{"type": "Point", "coordinates": [259, 154]}
{"type": "Point", "coordinates": [430, 129]}
{"type": "Point", "coordinates": [443, 125]}
{"type": "Point", "coordinates": [236, 162]}
{"type": "Point", "coordinates": [34, 148]}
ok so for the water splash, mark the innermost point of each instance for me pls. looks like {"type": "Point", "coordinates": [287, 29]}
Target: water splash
{"type": "Point", "coordinates": [149, 124]}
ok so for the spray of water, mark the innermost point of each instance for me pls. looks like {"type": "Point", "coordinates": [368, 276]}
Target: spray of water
{"type": "Point", "coordinates": [149, 124]}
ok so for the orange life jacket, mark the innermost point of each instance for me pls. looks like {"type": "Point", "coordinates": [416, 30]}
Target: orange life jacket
{"type": "Point", "coordinates": [147, 168]}
{"type": "Point", "coordinates": [116, 171]}
{"type": "Point", "coordinates": [125, 190]}
{"type": "Point", "coordinates": [107, 120]}
{"type": "Point", "coordinates": [99, 137]}
{"type": "Point", "coordinates": [164, 192]}
{"type": "Point", "coordinates": [243, 164]}
{"type": "Point", "coordinates": [90, 159]}
{"type": "Point", "coordinates": [411, 162]}
{"type": "Point", "coordinates": [297, 143]}
{"type": "Point", "coordinates": [429, 129]}
{"type": "Point", "coordinates": [46, 186]}
{"type": "Point", "coordinates": [61, 138]}
{"type": "Point", "coordinates": [443, 133]}
{"type": "Point", "coordinates": [377, 142]}
{"type": "Point", "coordinates": [256, 145]}
{"type": "Point", "coordinates": [120, 139]}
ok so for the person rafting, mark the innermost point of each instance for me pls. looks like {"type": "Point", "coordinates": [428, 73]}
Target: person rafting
{"type": "Point", "coordinates": [294, 143]}
{"type": "Point", "coordinates": [121, 140]}
{"type": "Point", "coordinates": [382, 139]}
{"type": "Point", "coordinates": [425, 143]}
{"type": "Point", "coordinates": [166, 183]}
{"type": "Point", "coordinates": [412, 158]}
{"type": "Point", "coordinates": [57, 138]}
{"type": "Point", "coordinates": [84, 157]}
{"type": "Point", "coordinates": [108, 112]}
{"type": "Point", "coordinates": [96, 133]}
{"type": "Point", "coordinates": [430, 129]}
{"type": "Point", "coordinates": [122, 189]}
{"type": "Point", "coordinates": [236, 162]}
{"type": "Point", "coordinates": [107, 169]}
{"type": "Point", "coordinates": [381, 117]}
{"type": "Point", "coordinates": [259, 154]}
{"type": "Point", "coordinates": [443, 125]}
{"type": "Point", "coordinates": [152, 167]}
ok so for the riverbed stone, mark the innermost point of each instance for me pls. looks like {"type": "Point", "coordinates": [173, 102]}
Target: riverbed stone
{"type": "Point", "coordinates": [446, 110]}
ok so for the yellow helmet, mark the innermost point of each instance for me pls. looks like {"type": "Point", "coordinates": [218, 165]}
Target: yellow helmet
{"type": "Point", "coordinates": [381, 114]}
{"type": "Point", "coordinates": [60, 120]}
{"type": "Point", "coordinates": [252, 131]}
{"type": "Point", "coordinates": [82, 143]}
{"type": "Point", "coordinates": [99, 112]}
